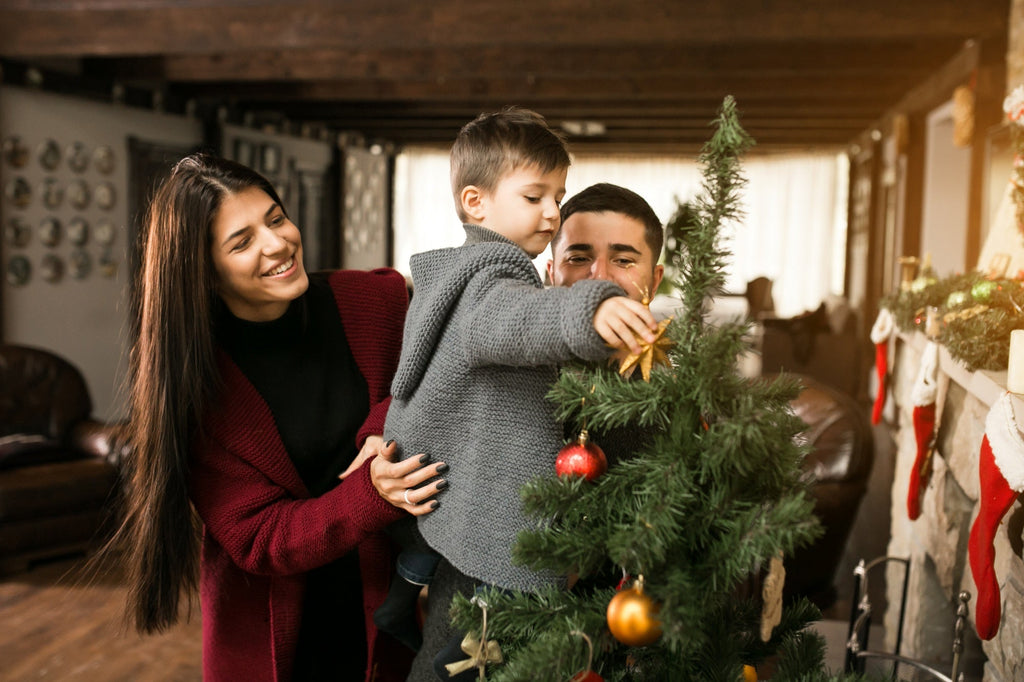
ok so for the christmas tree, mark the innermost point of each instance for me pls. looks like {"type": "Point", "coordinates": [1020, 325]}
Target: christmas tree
{"type": "Point", "coordinates": [709, 497]}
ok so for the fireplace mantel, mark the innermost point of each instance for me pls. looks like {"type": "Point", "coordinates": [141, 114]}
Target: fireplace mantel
{"type": "Point", "coordinates": [936, 542]}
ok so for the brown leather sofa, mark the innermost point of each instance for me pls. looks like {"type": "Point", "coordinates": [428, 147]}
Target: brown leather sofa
{"type": "Point", "coordinates": [839, 466]}
{"type": "Point", "coordinates": [58, 465]}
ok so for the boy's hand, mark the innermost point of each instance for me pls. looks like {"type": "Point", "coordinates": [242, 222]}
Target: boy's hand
{"type": "Point", "coordinates": [623, 323]}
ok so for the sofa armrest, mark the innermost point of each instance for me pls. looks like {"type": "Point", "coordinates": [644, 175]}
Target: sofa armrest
{"type": "Point", "coordinates": [100, 439]}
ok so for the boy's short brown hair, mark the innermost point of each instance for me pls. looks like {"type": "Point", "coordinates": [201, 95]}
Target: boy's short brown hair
{"type": "Point", "coordinates": [493, 145]}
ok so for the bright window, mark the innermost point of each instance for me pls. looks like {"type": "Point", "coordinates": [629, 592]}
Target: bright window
{"type": "Point", "coordinates": [794, 231]}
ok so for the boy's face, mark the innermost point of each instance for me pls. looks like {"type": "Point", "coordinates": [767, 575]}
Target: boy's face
{"type": "Point", "coordinates": [523, 207]}
{"type": "Point", "coordinates": [605, 245]}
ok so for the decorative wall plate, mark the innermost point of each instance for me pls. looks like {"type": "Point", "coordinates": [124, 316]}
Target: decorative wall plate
{"type": "Point", "coordinates": [77, 231]}
{"type": "Point", "coordinates": [18, 271]}
{"type": "Point", "coordinates": [78, 194]}
{"type": "Point", "coordinates": [49, 231]}
{"type": "Point", "coordinates": [51, 268]}
{"type": "Point", "coordinates": [105, 195]}
{"type": "Point", "coordinates": [108, 263]}
{"type": "Point", "coordinates": [78, 157]}
{"type": "Point", "coordinates": [103, 160]}
{"type": "Point", "coordinates": [52, 193]}
{"type": "Point", "coordinates": [104, 233]}
{"type": "Point", "coordinates": [48, 154]}
{"type": "Point", "coordinates": [81, 264]}
{"type": "Point", "coordinates": [15, 151]}
{"type": "Point", "coordinates": [18, 192]}
{"type": "Point", "coordinates": [17, 232]}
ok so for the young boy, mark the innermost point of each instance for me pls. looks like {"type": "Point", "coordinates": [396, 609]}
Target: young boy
{"type": "Point", "coordinates": [483, 342]}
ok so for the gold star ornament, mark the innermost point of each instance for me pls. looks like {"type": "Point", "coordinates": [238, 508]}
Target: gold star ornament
{"type": "Point", "coordinates": [651, 354]}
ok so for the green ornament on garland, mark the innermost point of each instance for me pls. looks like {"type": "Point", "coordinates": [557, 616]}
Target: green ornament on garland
{"type": "Point", "coordinates": [921, 283]}
{"type": "Point", "coordinates": [957, 299]}
{"type": "Point", "coordinates": [982, 290]}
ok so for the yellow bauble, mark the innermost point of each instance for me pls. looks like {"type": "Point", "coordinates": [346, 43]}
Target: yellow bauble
{"type": "Point", "coordinates": [633, 618]}
{"type": "Point", "coordinates": [749, 673]}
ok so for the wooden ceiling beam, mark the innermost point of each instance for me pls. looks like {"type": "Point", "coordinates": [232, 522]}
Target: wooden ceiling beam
{"type": "Point", "coordinates": [46, 28]}
{"type": "Point", "coordinates": [455, 112]}
{"type": "Point", "coordinates": [913, 58]}
{"type": "Point", "coordinates": [528, 90]}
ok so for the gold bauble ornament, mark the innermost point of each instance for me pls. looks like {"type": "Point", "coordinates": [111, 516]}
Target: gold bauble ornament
{"type": "Point", "coordinates": [633, 617]}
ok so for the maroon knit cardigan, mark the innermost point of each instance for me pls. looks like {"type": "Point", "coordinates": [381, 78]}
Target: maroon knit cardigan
{"type": "Point", "coordinates": [262, 530]}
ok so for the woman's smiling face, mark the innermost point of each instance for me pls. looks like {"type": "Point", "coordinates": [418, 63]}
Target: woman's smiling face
{"type": "Point", "coordinates": [257, 256]}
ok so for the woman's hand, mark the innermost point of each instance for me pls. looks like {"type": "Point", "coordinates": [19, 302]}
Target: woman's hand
{"type": "Point", "coordinates": [399, 482]}
{"type": "Point", "coordinates": [371, 446]}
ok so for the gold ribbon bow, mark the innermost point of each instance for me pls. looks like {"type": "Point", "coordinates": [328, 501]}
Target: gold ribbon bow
{"type": "Point", "coordinates": [480, 651]}
{"type": "Point", "coordinates": [480, 654]}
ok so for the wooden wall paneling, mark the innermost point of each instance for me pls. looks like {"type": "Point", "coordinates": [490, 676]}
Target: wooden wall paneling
{"type": "Point", "coordinates": [989, 85]}
{"type": "Point", "coordinates": [859, 215]}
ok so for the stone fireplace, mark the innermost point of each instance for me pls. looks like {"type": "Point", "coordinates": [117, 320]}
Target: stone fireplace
{"type": "Point", "coordinates": [936, 543]}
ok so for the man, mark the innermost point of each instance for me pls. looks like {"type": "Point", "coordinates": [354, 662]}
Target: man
{"type": "Point", "coordinates": [610, 233]}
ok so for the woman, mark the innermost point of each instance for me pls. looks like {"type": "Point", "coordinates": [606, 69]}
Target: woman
{"type": "Point", "coordinates": [254, 388]}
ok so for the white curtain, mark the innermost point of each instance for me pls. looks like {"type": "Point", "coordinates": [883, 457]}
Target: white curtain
{"type": "Point", "coordinates": [794, 230]}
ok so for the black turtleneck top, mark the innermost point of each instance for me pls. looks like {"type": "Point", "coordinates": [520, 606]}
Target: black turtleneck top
{"type": "Point", "coordinates": [303, 368]}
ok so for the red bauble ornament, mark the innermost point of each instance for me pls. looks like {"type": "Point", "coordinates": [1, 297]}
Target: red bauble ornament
{"type": "Point", "coordinates": [587, 676]}
{"type": "Point", "coordinates": [581, 458]}
{"type": "Point", "coordinates": [633, 617]}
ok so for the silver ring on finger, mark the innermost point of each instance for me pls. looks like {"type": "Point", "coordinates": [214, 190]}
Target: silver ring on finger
{"type": "Point", "coordinates": [406, 496]}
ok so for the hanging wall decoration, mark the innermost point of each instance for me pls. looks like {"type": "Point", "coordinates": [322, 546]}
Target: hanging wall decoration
{"type": "Point", "coordinates": [18, 192]}
{"type": "Point", "coordinates": [17, 232]}
{"type": "Point", "coordinates": [19, 269]}
{"type": "Point", "coordinates": [15, 151]}
{"type": "Point", "coordinates": [48, 154]}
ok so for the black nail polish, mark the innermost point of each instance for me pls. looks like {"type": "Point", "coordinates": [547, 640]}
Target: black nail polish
{"type": "Point", "coordinates": [435, 504]}
{"type": "Point", "coordinates": [442, 484]}
{"type": "Point", "coordinates": [442, 468]}
{"type": "Point", "coordinates": [388, 444]}
{"type": "Point", "coordinates": [424, 459]}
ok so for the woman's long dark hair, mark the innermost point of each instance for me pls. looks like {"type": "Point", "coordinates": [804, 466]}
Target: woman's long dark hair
{"type": "Point", "coordinates": [172, 379]}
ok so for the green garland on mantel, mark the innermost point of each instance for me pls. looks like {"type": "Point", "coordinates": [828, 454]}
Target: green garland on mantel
{"type": "Point", "coordinates": [976, 315]}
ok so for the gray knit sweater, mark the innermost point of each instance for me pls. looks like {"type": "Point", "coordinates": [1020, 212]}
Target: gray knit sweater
{"type": "Point", "coordinates": [483, 341]}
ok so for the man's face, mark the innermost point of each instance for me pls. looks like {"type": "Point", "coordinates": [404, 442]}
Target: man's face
{"type": "Point", "coordinates": [607, 246]}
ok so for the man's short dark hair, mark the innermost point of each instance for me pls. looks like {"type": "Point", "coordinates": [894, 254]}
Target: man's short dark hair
{"type": "Point", "coordinates": [605, 197]}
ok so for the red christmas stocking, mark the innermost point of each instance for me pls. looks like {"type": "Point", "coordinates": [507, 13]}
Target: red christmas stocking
{"type": "Point", "coordinates": [923, 398]}
{"type": "Point", "coordinates": [880, 333]}
{"type": "Point", "coordinates": [1001, 478]}
{"type": "Point", "coordinates": [921, 473]}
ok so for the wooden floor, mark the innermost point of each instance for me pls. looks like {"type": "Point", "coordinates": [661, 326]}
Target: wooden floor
{"type": "Point", "coordinates": [58, 623]}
